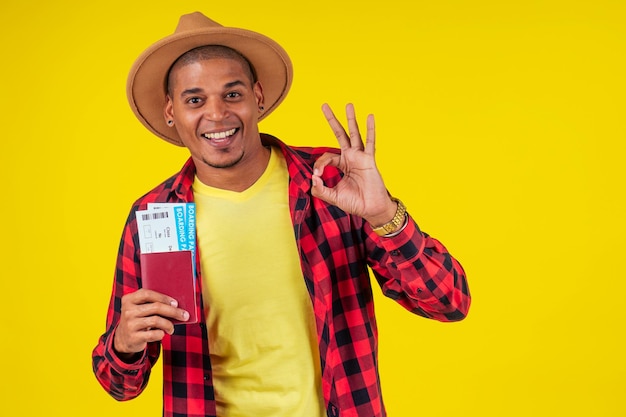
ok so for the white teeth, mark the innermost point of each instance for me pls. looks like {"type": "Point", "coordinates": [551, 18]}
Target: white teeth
{"type": "Point", "coordinates": [220, 135]}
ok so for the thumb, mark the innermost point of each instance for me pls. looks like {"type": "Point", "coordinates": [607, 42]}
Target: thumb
{"type": "Point", "coordinates": [319, 190]}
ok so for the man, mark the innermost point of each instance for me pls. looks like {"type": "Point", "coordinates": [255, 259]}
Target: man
{"type": "Point", "coordinates": [284, 235]}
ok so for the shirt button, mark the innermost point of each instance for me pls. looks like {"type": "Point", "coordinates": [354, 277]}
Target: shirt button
{"type": "Point", "coordinates": [395, 253]}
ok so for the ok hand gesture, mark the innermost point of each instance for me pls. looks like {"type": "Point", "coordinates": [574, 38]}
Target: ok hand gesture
{"type": "Point", "coordinates": [361, 191]}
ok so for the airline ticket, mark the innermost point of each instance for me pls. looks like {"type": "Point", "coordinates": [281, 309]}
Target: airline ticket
{"type": "Point", "coordinates": [167, 227]}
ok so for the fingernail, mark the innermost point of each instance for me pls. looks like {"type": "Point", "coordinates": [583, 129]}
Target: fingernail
{"type": "Point", "coordinates": [185, 316]}
{"type": "Point", "coordinates": [174, 303]}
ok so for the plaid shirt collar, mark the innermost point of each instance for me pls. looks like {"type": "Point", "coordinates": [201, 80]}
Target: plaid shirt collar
{"type": "Point", "coordinates": [299, 173]}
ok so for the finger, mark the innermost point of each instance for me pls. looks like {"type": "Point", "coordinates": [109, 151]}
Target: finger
{"type": "Point", "coordinates": [144, 296]}
{"type": "Point", "coordinates": [353, 127]}
{"type": "Point", "coordinates": [155, 335]}
{"type": "Point", "coordinates": [322, 192]}
{"type": "Point", "coordinates": [162, 310]}
{"type": "Point", "coordinates": [318, 189]}
{"type": "Point", "coordinates": [370, 138]}
{"type": "Point", "coordinates": [131, 336]}
{"type": "Point", "coordinates": [147, 324]}
{"type": "Point", "coordinates": [323, 161]}
{"type": "Point", "coordinates": [337, 128]}
{"type": "Point", "coordinates": [142, 337]}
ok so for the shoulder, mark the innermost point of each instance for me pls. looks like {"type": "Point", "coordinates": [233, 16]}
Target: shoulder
{"type": "Point", "coordinates": [157, 194]}
{"type": "Point", "coordinates": [298, 154]}
{"type": "Point", "coordinates": [311, 154]}
{"type": "Point", "coordinates": [173, 189]}
{"type": "Point", "coordinates": [301, 159]}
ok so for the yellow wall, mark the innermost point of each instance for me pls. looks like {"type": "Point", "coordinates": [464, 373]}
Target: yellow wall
{"type": "Point", "coordinates": [500, 124]}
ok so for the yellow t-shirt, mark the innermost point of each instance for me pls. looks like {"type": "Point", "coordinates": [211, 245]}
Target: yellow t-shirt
{"type": "Point", "coordinates": [262, 337]}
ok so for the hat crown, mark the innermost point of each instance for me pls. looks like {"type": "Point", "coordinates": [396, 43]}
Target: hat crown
{"type": "Point", "coordinates": [195, 21]}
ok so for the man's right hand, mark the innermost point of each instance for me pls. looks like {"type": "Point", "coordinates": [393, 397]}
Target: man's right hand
{"type": "Point", "coordinates": [145, 318]}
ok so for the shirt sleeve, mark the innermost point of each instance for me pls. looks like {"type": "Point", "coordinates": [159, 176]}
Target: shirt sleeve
{"type": "Point", "coordinates": [419, 273]}
{"type": "Point", "coordinates": [123, 381]}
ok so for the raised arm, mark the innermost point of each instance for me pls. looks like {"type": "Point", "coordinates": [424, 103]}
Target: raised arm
{"type": "Point", "coordinates": [412, 268]}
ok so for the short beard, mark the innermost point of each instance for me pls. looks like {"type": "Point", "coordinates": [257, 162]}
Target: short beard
{"type": "Point", "coordinates": [226, 165]}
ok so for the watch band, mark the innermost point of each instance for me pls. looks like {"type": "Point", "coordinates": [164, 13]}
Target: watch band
{"type": "Point", "coordinates": [395, 223]}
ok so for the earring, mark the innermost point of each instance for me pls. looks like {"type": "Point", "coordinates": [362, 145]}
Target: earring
{"type": "Point", "coordinates": [170, 122]}
{"type": "Point", "coordinates": [261, 108]}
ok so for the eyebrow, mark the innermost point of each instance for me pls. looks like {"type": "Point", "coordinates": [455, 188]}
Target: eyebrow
{"type": "Point", "coordinates": [234, 84]}
{"type": "Point", "coordinates": [197, 90]}
{"type": "Point", "coordinates": [191, 91]}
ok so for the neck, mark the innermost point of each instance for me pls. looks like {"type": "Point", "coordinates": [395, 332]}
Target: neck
{"type": "Point", "coordinates": [238, 177]}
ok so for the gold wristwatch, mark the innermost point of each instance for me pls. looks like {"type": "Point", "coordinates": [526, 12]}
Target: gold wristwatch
{"type": "Point", "coordinates": [395, 223]}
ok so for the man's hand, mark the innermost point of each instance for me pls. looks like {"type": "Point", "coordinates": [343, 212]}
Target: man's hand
{"type": "Point", "coordinates": [144, 318]}
{"type": "Point", "coordinates": [361, 191]}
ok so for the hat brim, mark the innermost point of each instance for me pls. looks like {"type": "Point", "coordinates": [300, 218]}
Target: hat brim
{"type": "Point", "coordinates": [145, 88]}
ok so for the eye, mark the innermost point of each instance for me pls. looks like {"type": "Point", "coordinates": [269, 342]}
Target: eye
{"type": "Point", "coordinates": [194, 100]}
{"type": "Point", "coordinates": [233, 95]}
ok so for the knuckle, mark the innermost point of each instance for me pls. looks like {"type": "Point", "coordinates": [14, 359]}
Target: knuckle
{"type": "Point", "coordinates": [126, 314]}
{"type": "Point", "coordinates": [151, 321]}
{"type": "Point", "coordinates": [155, 335]}
{"type": "Point", "coordinates": [148, 309]}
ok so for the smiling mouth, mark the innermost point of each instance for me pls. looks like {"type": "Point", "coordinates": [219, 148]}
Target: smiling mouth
{"type": "Point", "coordinates": [220, 135]}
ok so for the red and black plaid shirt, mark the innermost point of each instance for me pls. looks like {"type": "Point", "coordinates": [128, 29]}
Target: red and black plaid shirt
{"type": "Point", "coordinates": [336, 249]}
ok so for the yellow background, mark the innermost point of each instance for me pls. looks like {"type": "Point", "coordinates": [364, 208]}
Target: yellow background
{"type": "Point", "coordinates": [500, 124]}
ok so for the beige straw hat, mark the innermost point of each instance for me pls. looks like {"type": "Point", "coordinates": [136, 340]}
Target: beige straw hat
{"type": "Point", "coordinates": [147, 78]}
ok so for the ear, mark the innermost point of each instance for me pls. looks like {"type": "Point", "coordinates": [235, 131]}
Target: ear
{"type": "Point", "coordinates": [258, 94]}
{"type": "Point", "coordinates": [168, 110]}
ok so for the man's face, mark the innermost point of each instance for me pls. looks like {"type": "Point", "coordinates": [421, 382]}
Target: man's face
{"type": "Point", "coordinates": [215, 108]}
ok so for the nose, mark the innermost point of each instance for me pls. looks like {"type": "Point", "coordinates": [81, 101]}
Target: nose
{"type": "Point", "coordinates": [215, 109]}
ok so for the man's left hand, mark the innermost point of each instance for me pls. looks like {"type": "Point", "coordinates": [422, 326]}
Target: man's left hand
{"type": "Point", "coordinates": [361, 191]}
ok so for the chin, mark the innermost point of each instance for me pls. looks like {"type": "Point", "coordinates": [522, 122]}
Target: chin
{"type": "Point", "coordinates": [223, 163]}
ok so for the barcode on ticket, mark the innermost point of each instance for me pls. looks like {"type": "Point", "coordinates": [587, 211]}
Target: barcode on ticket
{"type": "Point", "coordinates": [154, 216]}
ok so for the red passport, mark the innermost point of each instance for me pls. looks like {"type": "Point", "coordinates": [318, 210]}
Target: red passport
{"type": "Point", "coordinates": [171, 273]}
